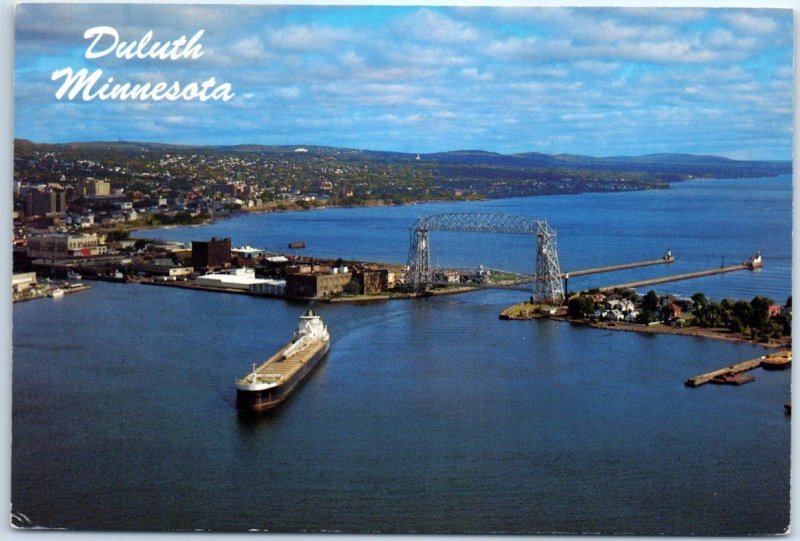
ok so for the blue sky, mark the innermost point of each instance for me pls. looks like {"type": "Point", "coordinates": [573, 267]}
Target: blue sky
{"type": "Point", "coordinates": [594, 81]}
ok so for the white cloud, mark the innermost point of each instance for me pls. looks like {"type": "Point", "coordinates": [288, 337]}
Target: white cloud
{"type": "Point", "coordinates": [583, 116]}
{"type": "Point", "coordinates": [714, 75]}
{"type": "Point", "coordinates": [429, 25]}
{"type": "Point", "coordinates": [611, 31]}
{"type": "Point", "coordinates": [721, 38]}
{"type": "Point", "coordinates": [415, 54]}
{"type": "Point", "coordinates": [288, 92]}
{"type": "Point", "coordinates": [597, 67]}
{"type": "Point", "coordinates": [351, 59]}
{"type": "Point", "coordinates": [538, 72]}
{"type": "Point", "coordinates": [679, 51]}
{"type": "Point", "coordinates": [475, 75]}
{"type": "Point", "coordinates": [664, 15]}
{"type": "Point", "coordinates": [513, 47]}
{"type": "Point", "coordinates": [379, 94]}
{"type": "Point", "coordinates": [250, 50]}
{"type": "Point", "coordinates": [305, 38]}
{"type": "Point", "coordinates": [668, 51]}
{"type": "Point", "coordinates": [414, 118]}
{"type": "Point", "coordinates": [748, 22]}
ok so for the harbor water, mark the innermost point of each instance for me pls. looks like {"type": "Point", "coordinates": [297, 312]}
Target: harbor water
{"type": "Point", "coordinates": [428, 416]}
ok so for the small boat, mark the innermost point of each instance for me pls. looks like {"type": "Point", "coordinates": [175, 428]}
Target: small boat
{"type": "Point", "coordinates": [72, 275]}
{"type": "Point", "coordinates": [56, 293]}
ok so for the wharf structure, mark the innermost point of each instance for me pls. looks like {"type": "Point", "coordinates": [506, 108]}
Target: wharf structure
{"type": "Point", "coordinates": [669, 258]}
{"type": "Point", "coordinates": [210, 264]}
{"type": "Point", "coordinates": [729, 374]}
{"type": "Point", "coordinates": [753, 263]}
{"type": "Point", "coordinates": [26, 287]}
{"type": "Point", "coordinates": [56, 254]}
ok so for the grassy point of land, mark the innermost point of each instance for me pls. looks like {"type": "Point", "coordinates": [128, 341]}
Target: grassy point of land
{"type": "Point", "coordinates": [528, 311]}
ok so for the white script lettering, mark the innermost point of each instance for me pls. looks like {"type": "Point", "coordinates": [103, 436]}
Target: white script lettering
{"type": "Point", "coordinates": [82, 84]}
{"type": "Point", "coordinates": [106, 40]}
{"type": "Point", "coordinates": [168, 50]}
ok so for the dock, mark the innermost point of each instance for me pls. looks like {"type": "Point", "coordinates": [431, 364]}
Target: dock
{"type": "Point", "coordinates": [730, 374]}
{"type": "Point", "coordinates": [612, 268]}
{"type": "Point", "coordinates": [44, 292]}
{"type": "Point", "coordinates": [676, 278]}
{"type": "Point", "coordinates": [731, 370]}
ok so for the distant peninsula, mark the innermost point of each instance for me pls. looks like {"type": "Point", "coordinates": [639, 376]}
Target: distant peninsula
{"type": "Point", "coordinates": [166, 183]}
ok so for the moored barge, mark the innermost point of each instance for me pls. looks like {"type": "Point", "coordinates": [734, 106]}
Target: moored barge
{"type": "Point", "coordinates": [777, 361]}
{"type": "Point", "coordinates": [269, 384]}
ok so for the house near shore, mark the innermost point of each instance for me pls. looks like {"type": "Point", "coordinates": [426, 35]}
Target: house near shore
{"type": "Point", "coordinates": [671, 312]}
{"type": "Point", "coordinates": [631, 317]}
{"type": "Point", "coordinates": [623, 305]}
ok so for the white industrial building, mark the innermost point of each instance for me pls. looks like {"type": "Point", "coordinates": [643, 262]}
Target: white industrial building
{"type": "Point", "coordinates": [23, 281]}
{"type": "Point", "coordinates": [244, 279]}
{"type": "Point", "coordinates": [247, 252]}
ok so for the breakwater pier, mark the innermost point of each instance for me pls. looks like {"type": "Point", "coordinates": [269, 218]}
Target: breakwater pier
{"type": "Point", "coordinates": [669, 258]}
{"type": "Point", "coordinates": [677, 277]}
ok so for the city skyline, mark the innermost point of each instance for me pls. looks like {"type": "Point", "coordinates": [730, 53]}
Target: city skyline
{"type": "Point", "coordinates": [592, 81]}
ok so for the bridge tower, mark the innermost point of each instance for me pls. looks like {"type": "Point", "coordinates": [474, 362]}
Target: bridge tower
{"type": "Point", "coordinates": [419, 259]}
{"type": "Point", "coordinates": [547, 286]}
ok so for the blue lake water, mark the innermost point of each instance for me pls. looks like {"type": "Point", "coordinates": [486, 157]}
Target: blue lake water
{"type": "Point", "coordinates": [428, 416]}
{"type": "Point", "coordinates": [704, 223]}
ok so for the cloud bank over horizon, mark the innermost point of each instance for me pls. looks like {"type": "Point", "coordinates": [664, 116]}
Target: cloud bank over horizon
{"type": "Point", "coordinates": [595, 81]}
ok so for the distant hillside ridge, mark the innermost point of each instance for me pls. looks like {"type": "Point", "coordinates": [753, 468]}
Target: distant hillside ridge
{"type": "Point", "coordinates": [668, 167]}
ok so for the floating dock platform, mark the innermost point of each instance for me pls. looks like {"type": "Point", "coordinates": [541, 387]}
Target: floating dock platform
{"type": "Point", "coordinates": [733, 379]}
{"type": "Point", "coordinates": [731, 370]}
{"type": "Point", "coordinates": [731, 374]}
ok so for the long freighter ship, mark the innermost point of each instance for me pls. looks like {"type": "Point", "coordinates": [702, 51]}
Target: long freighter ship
{"type": "Point", "coordinates": [271, 383]}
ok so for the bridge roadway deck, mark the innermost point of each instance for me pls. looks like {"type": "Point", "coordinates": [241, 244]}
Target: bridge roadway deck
{"type": "Point", "coordinates": [675, 278]}
{"type": "Point", "coordinates": [612, 268]}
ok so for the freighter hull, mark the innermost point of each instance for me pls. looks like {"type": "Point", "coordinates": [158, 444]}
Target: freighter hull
{"type": "Point", "coordinates": [266, 399]}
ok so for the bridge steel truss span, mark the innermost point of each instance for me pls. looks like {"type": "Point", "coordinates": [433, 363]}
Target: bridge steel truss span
{"type": "Point", "coordinates": [547, 286]}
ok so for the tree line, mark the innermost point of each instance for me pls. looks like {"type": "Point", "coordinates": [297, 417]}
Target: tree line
{"type": "Point", "coordinates": [741, 316]}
